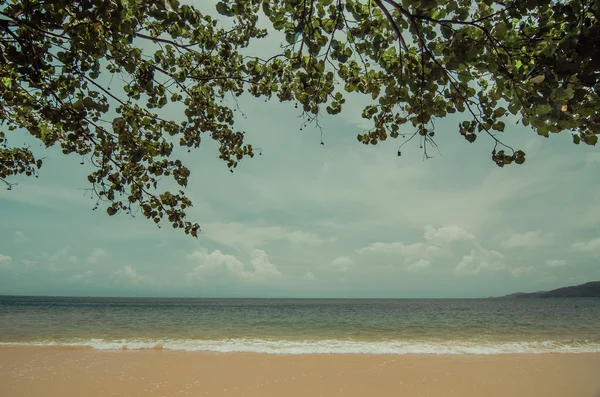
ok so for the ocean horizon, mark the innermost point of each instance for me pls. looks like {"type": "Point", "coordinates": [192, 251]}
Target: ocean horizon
{"type": "Point", "coordinates": [305, 325]}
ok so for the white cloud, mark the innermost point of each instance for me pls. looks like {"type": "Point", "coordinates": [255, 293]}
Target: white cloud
{"type": "Point", "coordinates": [309, 276]}
{"type": "Point", "coordinates": [247, 237]}
{"type": "Point", "coordinates": [531, 239]}
{"type": "Point", "coordinates": [521, 271]}
{"type": "Point", "coordinates": [419, 265]}
{"type": "Point", "coordinates": [422, 251]}
{"type": "Point", "coordinates": [211, 265]}
{"type": "Point", "coordinates": [130, 275]}
{"type": "Point", "coordinates": [55, 269]}
{"type": "Point", "coordinates": [84, 278]}
{"type": "Point", "coordinates": [263, 268]}
{"type": "Point", "coordinates": [59, 254]}
{"type": "Point", "coordinates": [348, 177]}
{"type": "Point", "coordinates": [437, 241]}
{"type": "Point", "coordinates": [19, 237]}
{"type": "Point", "coordinates": [45, 195]}
{"type": "Point", "coordinates": [96, 255]}
{"type": "Point", "coordinates": [29, 263]}
{"type": "Point", "coordinates": [556, 263]}
{"type": "Point", "coordinates": [5, 261]}
{"type": "Point", "coordinates": [592, 245]}
{"type": "Point", "coordinates": [304, 238]}
{"type": "Point", "coordinates": [479, 259]}
{"type": "Point", "coordinates": [447, 234]}
{"type": "Point", "coordinates": [399, 248]}
{"type": "Point", "coordinates": [342, 263]}
{"type": "Point", "coordinates": [416, 256]}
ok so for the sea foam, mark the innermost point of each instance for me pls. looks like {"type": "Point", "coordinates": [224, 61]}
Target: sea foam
{"type": "Point", "coordinates": [326, 346]}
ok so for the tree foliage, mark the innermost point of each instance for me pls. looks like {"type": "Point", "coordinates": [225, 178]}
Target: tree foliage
{"type": "Point", "coordinates": [418, 61]}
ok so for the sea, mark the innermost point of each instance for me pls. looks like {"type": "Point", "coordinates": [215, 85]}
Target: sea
{"type": "Point", "coordinates": [305, 326]}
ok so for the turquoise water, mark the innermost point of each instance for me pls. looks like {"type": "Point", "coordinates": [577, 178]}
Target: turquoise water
{"type": "Point", "coordinates": [304, 326]}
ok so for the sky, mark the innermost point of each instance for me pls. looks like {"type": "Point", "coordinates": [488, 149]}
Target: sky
{"type": "Point", "coordinates": [310, 220]}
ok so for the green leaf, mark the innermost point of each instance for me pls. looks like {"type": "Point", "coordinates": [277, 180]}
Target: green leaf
{"type": "Point", "coordinates": [290, 38]}
{"type": "Point", "coordinates": [542, 110]}
{"type": "Point", "coordinates": [590, 139]}
{"type": "Point", "coordinates": [563, 95]}
{"type": "Point", "coordinates": [266, 7]}
{"type": "Point", "coordinates": [500, 30]}
{"type": "Point", "coordinates": [514, 108]}
{"type": "Point", "coordinates": [222, 8]}
{"type": "Point", "coordinates": [586, 111]}
{"type": "Point", "coordinates": [499, 126]}
{"type": "Point", "coordinates": [543, 130]}
{"type": "Point", "coordinates": [538, 79]}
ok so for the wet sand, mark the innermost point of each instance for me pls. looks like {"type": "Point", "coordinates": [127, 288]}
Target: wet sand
{"type": "Point", "coordinates": [76, 372]}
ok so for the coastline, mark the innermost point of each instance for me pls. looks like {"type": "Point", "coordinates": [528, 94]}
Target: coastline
{"type": "Point", "coordinates": [77, 371]}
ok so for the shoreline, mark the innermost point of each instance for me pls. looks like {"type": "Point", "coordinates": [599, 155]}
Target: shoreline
{"type": "Point", "coordinates": [162, 349]}
{"type": "Point", "coordinates": [327, 346]}
{"type": "Point", "coordinates": [77, 371]}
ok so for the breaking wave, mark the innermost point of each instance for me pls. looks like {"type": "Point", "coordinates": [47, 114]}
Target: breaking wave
{"type": "Point", "coordinates": [326, 346]}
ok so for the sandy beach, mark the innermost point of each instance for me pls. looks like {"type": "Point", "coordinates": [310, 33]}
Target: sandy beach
{"type": "Point", "coordinates": [75, 372]}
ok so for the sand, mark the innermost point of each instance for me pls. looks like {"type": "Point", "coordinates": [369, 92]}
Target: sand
{"type": "Point", "coordinates": [77, 372]}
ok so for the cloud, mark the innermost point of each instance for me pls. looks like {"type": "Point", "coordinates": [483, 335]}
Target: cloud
{"type": "Point", "coordinates": [447, 234]}
{"type": "Point", "coordinates": [479, 259]}
{"type": "Point", "coordinates": [309, 276]}
{"type": "Point", "coordinates": [437, 241]}
{"type": "Point", "coordinates": [128, 274]}
{"type": "Point", "coordinates": [399, 248]}
{"type": "Point", "coordinates": [84, 278]}
{"type": "Point", "coordinates": [592, 245]}
{"type": "Point", "coordinates": [342, 263]}
{"type": "Point", "coordinates": [419, 265]}
{"type": "Point", "coordinates": [434, 240]}
{"type": "Point", "coordinates": [29, 263]}
{"type": "Point", "coordinates": [19, 237]}
{"type": "Point", "coordinates": [5, 261]}
{"type": "Point", "coordinates": [246, 237]}
{"type": "Point", "coordinates": [416, 256]}
{"type": "Point", "coordinates": [96, 255]}
{"type": "Point", "coordinates": [59, 254]}
{"type": "Point", "coordinates": [531, 239]}
{"type": "Point", "coordinates": [263, 269]}
{"type": "Point", "coordinates": [46, 195]}
{"type": "Point", "coordinates": [214, 264]}
{"type": "Point", "coordinates": [556, 263]}
{"type": "Point", "coordinates": [521, 271]}
{"type": "Point", "coordinates": [304, 238]}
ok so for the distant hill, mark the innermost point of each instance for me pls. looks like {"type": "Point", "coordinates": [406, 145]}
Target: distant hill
{"type": "Point", "coordinates": [587, 290]}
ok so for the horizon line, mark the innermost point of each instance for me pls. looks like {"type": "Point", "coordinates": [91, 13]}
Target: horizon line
{"type": "Point", "coordinates": [232, 297]}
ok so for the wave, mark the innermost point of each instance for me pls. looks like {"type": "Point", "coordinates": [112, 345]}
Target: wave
{"type": "Point", "coordinates": [325, 346]}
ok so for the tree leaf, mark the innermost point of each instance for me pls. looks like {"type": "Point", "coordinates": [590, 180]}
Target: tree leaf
{"type": "Point", "coordinates": [222, 8]}
{"type": "Point", "coordinates": [538, 79]}
{"type": "Point", "coordinates": [500, 30]}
